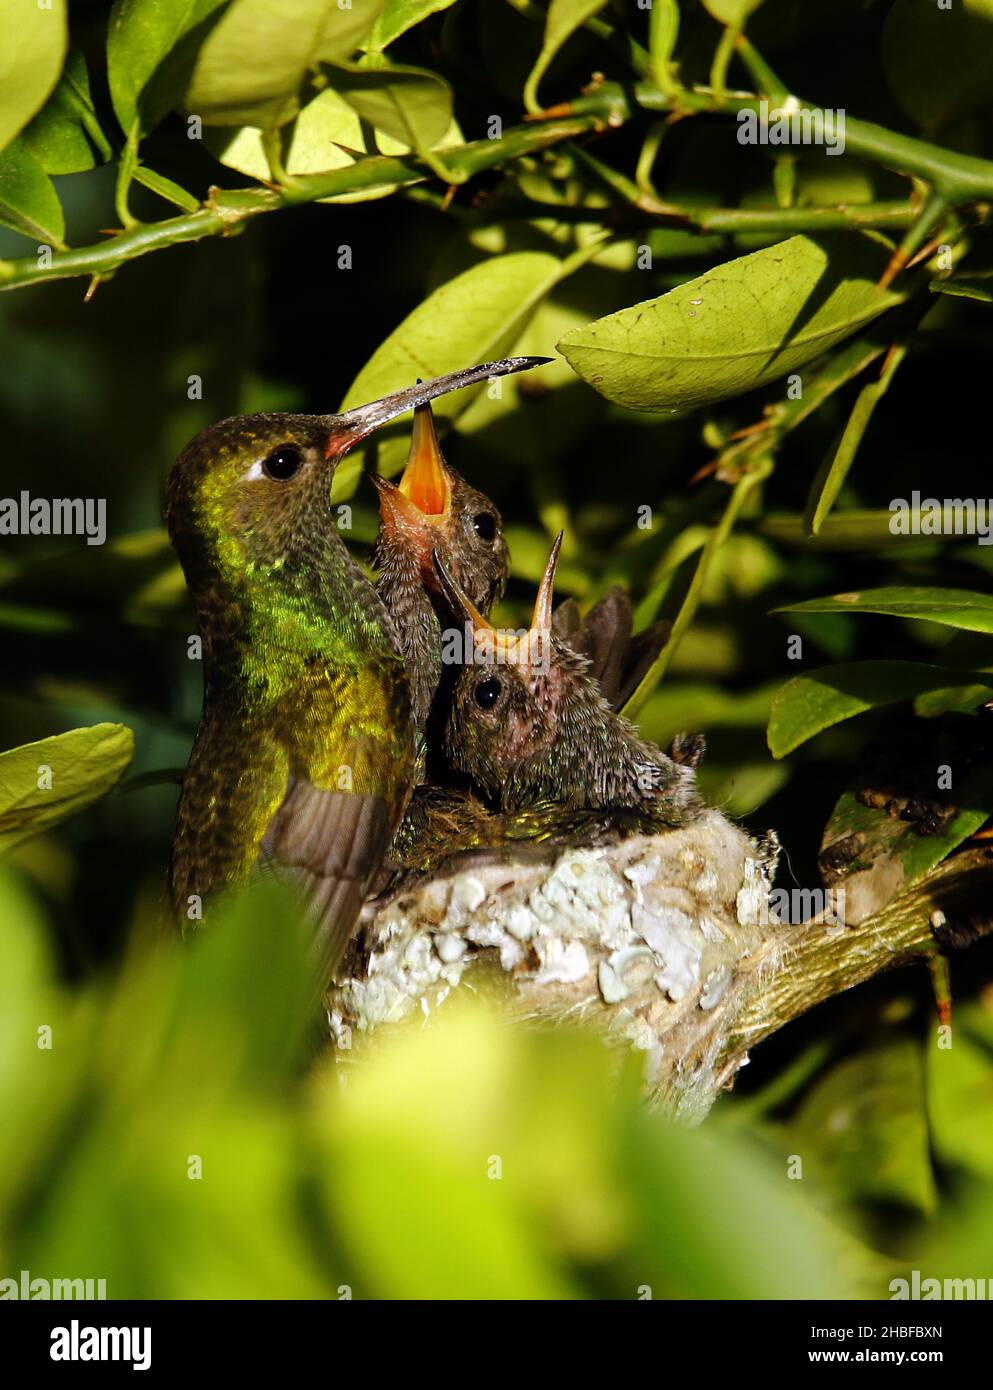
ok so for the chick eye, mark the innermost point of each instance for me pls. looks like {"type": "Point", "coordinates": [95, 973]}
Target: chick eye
{"type": "Point", "coordinates": [283, 462]}
{"type": "Point", "coordinates": [485, 525]}
{"type": "Point", "coordinates": [488, 692]}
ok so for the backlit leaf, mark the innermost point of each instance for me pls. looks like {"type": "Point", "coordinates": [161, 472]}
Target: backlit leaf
{"type": "Point", "coordinates": [475, 317]}
{"type": "Point", "coordinates": [252, 67]}
{"type": "Point", "coordinates": [960, 608]}
{"type": "Point", "coordinates": [411, 105]}
{"type": "Point", "coordinates": [745, 323]}
{"type": "Point", "coordinates": [397, 17]}
{"type": "Point", "coordinates": [564, 17]}
{"type": "Point", "coordinates": [42, 783]}
{"type": "Point", "coordinates": [31, 54]}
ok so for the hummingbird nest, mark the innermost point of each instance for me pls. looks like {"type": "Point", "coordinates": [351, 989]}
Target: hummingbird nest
{"type": "Point", "coordinates": [656, 940]}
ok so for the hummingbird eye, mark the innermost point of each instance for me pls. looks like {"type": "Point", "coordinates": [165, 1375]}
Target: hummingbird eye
{"type": "Point", "coordinates": [283, 463]}
{"type": "Point", "coordinates": [485, 525]}
{"type": "Point", "coordinates": [487, 692]}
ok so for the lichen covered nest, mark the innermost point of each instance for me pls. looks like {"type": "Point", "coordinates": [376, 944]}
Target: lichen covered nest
{"type": "Point", "coordinates": [654, 939]}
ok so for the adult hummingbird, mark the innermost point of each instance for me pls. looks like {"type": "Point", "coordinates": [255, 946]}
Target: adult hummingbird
{"type": "Point", "coordinates": [433, 509]}
{"type": "Point", "coordinates": [530, 725]}
{"type": "Point", "coordinates": [304, 754]}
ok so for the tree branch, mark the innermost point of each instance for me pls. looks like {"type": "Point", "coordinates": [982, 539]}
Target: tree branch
{"type": "Point", "coordinates": [956, 179]}
{"type": "Point", "coordinates": [959, 177]}
{"type": "Point", "coordinates": [227, 211]}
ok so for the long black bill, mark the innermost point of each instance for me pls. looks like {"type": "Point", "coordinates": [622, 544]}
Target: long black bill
{"type": "Point", "coordinates": [353, 425]}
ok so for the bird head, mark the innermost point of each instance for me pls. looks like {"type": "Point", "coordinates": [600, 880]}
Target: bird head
{"type": "Point", "coordinates": [251, 494]}
{"type": "Point", "coordinates": [514, 687]}
{"type": "Point", "coordinates": [432, 510]}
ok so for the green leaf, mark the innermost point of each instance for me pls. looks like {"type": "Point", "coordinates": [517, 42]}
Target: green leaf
{"type": "Point", "coordinates": [885, 854]}
{"type": "Point", "coordinates": [806, 705]}
{"type": "Point", "coordinates": [664, 715]}
{"type": "Point", "coordinates": [862, 1130]}
{"type": "Point", "coordinates": [748, 322]}
{"type": "Point", "coordinates": [312, 145]}
{"type": "Point", "coordinates": [43, 783]}
{"type": "Point", "coordinates": [962, 699]}
{"type": "Point", "coordinates": [939, 61]}
{"type": "Point", "coordinates": [34, 45]}
{"type": "Point", "coordinates": [960, 1096]}
{"type": "Point", "coordinates": [564, 17]}
{"type": "Point", "coordinates": [397, 17]}
{"type": "Point", "coordinates": [978, 285]}
{"type": "Point", "coordinates": [833, 472]}
{"type": "Point", "coordinates": [66, 137]}
{"type": "Point", "coordinates": [424, 1191]}
{"type": "Point", "coordinates": [858, 530]}
{"type": "Point", "coordinates": [254, 62]}
{"type": "Point", "coordinates": [165, 188]}
{"type": "Point", "coordinates": [411, 105]}
{"type": "Point", "coordinates": [408, 1165]}
{"type": "Point", "coordinates": [28, 200]}
{"type": "Point", "coordinates": [959, 608]}
{"type": "Point", "coordinates": [477, 316]}
{"type": "Point", "coordinates": [151, 48]}
{"type": "Point", "coordinates": [733, 13]}
{"type": "Point", "coordinates": [831, 476]}
{"type": "Point", "coordinates": [701, 1195]}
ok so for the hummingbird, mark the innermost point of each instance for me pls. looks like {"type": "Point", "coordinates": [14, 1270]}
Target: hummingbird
{"type": "Point", "coordinates": [529, 724]}
{"type": "Point", "coordinates": [303, 759]}
{"type": "Point", "coordinates": [433, 509]}
{"type": "Point", "coordinates": [443, 822]}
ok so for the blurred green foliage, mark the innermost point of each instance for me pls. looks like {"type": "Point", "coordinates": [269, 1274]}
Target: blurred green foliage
{"type": "Point", "coordinates": [166, 1129]}
{"type": "Point", "coordinates": [386, 1183]}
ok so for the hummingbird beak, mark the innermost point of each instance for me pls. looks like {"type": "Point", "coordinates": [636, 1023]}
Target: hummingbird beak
{"type": "Point", "coordinates": [541, 620]}
{"type": "Point", "coordinates": [349, 428]}
{"type": "Point", "coordinates": [484, 635]}
{"type": "Point", "coordinates": [462, 605]}
{"type": "Point", "coordinates": [530, 649]}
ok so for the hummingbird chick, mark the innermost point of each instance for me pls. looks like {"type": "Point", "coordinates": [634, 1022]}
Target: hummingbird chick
{"type": "Point", "coordinates": [304, 755]}
{"type": "Point", "coordinates": [433, 510]}
{"type": "Point", "coordinates": [529, 724]}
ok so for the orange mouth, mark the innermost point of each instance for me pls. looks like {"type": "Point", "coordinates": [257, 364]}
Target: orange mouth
{"type": "Point", "coordinates": [425, 480]}
{"type": "Point", "coordinates": [413, 510]}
